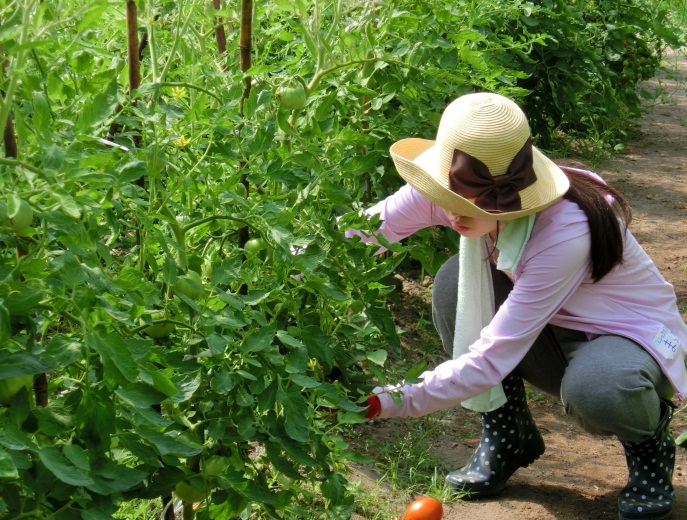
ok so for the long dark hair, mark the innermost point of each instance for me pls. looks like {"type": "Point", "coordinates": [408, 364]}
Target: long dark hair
{"type": "Point", "coordinates": [604, 218]}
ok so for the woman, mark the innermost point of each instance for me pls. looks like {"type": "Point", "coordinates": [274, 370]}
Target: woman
{"type": "Point", "coordinates": [548, 286]}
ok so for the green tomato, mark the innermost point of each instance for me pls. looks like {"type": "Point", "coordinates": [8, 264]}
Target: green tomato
{"type": "Point", "coordinates": [190, 285]}
{"type": "Point", "coordinates": [256, 247]}
{"type": "Point", "coordinates": [241, 190]}
{"type": "Point", "coordinates": [292, 96]}
{"type": "Point", "coordinates": [207, 267]}
{"type": "Point", "coordinates": [215, 465]}
{"type": "Point", "coordinates": [10, 386]}
{"type": "Point", "coordinates": [158, 330]}
{"type": "Point", "coordinates": [189, 493]}
{"type": "Point", "coordinates": [22, 216]}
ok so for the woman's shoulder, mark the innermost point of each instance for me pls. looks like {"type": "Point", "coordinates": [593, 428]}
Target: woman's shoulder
{"type": "Point", "coordinates": [561, 212]}
{"type": "Point", "coordinates": [563, 221]}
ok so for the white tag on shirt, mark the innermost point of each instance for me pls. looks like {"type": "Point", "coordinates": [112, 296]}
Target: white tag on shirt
{"type": "Point", "coordinates": [666, 342]}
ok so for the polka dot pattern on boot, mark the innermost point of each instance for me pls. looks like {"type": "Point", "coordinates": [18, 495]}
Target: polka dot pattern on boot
{"type": "Point", "coordinates": [510, 440]}
{"type": "Point", "coordinates": [649, 491]}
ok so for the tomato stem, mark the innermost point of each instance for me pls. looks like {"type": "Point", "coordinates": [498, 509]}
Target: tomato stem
{"type": "Point", "coordinates": [162, 322]}
{"type": "Point", "coordinates": [17, 66]}
{"type": "Point", "coordinates": [179, 235]}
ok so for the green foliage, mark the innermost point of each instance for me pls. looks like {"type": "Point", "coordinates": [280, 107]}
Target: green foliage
{"type": "Point", "coordinates": [123, 276]}
{"type": "Point", "coordinates": [583, 78]}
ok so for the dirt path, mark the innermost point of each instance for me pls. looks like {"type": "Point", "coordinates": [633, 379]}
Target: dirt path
{"type": "Point", "coordinates": [652, 173]}
{"type": "Point", "coordinates": [579, 476]}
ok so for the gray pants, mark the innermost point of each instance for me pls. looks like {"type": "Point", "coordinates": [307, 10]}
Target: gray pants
{"type": "Point", "coordinates": [609, 385]}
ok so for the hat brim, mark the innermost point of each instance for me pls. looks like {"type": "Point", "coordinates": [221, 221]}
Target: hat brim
{"type": "Point", "coordinates": [417, 162]}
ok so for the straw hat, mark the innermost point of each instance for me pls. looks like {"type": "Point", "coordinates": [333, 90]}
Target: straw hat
{"type": "Point", "coordinates": [482, 164]}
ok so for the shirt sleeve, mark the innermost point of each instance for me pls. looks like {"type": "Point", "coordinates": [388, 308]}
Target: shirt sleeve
{"type": "Point", "coordinates": [403, 213]}
{"type": "Point", "coordinates": [554, 265]}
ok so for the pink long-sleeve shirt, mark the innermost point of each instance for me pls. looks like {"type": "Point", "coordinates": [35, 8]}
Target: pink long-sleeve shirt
{"type": "Point", "coordinates": [552, 284]}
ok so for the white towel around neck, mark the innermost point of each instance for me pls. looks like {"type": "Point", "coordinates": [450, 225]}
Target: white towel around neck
{"type": "Point", "coordinates": [476, 295]}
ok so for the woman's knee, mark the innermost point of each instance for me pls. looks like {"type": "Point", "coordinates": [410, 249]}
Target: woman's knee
{"type": "Point", "coordinates": [611, 395]}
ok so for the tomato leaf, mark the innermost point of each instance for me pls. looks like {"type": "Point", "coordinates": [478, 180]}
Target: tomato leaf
{"type": "Point", "coordinates": [13, 364]}
{"type": "Point", "coordinates": [54, 420]}
{"type": "Point", "coordinates": [65, 471]}
{"type": "Point", "coordinates": [130, 170]}
{"type": "Point", "coordinates": [97, 109]}
{"type": "Point", "coordinates": [4, 322]}
{"type": "Point", "coordinates": [169, 444]}
{"type": "Point", "coordinates": [22, 297]}
{"type": "Point", "coordinates": [7, 468]}
{"type": "Point", "coordinates": [295, 421]}
{"type": "Point", "coordinates": [116, 355]}
{"type": "Point", "coordinates": [259, 340]}
{"type": "Point", "coordinates": [378, 356]}
{"type": "Point", "coordinates": [110, 478]}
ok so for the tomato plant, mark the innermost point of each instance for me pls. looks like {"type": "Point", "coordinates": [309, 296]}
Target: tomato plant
{"type": "Point", "coordinates": [123, 180]}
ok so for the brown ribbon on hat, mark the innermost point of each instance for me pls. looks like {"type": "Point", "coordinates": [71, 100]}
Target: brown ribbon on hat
{"type": "Point", "coordinates": [471, 179]}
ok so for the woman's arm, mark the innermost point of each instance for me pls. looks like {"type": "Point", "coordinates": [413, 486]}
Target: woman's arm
{"type": "Point", "coordinates": [553, 267]}
{"type": "Point", "coordinates": [402, 214]}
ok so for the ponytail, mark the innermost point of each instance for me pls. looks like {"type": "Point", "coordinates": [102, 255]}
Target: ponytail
{"type": "Point", "coordinates": [604, 217]}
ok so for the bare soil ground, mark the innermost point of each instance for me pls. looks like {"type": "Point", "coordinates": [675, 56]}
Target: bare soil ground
{"type": "Point", "coordinates": [580, 475]}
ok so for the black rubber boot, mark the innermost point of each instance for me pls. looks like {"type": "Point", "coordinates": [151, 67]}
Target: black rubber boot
{"type": "Point", "coordinates": [649, 493]}
{"type": "Point", "coordinates": [510, 440]}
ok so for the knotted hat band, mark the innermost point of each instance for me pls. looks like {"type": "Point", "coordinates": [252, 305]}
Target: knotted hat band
{"type": "Point", "coordinates": [471, 179]}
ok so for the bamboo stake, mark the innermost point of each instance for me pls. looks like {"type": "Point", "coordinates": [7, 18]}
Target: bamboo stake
{"type": "Point", "coordinates": [132, 52]}
{"type": "Point", "coordinates": [245, 34]}
{"type": "Point", "coordinates": [8, 135]}
{"type": "Point", "coordinates": [10, 139]}
{"type": "Point", "coordinates": [114, 127]}
{"type": "Point", "coordinates": [132, 45]}
{"type": "Point", "coordinates": [220, 35]}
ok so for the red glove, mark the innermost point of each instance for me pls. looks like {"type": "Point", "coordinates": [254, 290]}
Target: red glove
{"type": "Point", "coordinates": [374, 407]}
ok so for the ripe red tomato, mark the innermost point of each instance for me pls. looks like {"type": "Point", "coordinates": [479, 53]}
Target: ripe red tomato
{"type": "Point", "coordinates": [424, 508]}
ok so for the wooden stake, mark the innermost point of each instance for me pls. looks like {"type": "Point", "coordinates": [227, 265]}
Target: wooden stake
{"type": "Point", "coordinates": [220, 35]}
